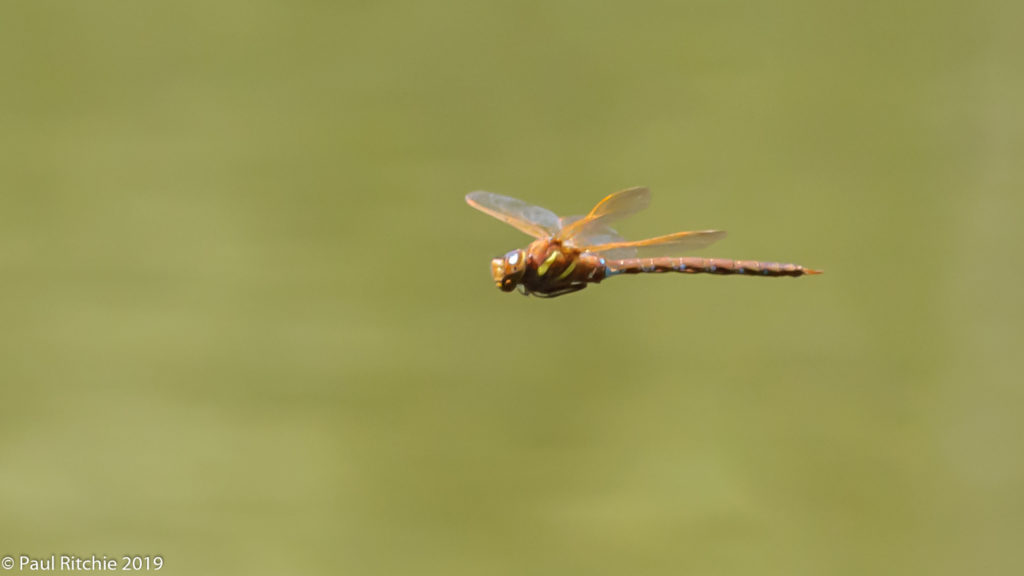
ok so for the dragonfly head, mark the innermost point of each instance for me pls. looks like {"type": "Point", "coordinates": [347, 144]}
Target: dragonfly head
{"type": "Point", "coordinates": [508, 271]}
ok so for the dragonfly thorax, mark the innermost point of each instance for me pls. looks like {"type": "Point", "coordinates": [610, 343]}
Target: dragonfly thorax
{"type": "Point", "coordinates": [508, 271]}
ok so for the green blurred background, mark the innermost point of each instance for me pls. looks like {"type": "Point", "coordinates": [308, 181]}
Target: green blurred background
{"type": "Point", "coordinates": [248, 324]}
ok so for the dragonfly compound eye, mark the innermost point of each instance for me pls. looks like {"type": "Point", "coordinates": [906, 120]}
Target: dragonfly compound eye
{"type": "Point", "coordinates": [508, 271]}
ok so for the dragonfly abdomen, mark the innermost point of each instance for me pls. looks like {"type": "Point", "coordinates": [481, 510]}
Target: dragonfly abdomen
{"type": "Point", "coordinates": [705, 266]}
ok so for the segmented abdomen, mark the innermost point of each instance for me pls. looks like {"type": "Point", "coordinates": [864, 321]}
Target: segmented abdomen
{"type": "Point", "coordinates": [705, 266]}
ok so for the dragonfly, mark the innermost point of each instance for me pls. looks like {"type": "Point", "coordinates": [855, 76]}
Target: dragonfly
{"type": "Point", "coordinates": [570, 253]}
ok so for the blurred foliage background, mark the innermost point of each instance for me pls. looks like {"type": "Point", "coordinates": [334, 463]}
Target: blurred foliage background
{"type": "Point", "coordinates": [248, 324]}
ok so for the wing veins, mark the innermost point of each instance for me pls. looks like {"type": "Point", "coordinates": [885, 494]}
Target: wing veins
{"type": "Point", "coordinates": [690, 240]}
{"type": "Point", "coordinates": [612, 207]}
{"type": "Point", "coordinates": [533, 220]}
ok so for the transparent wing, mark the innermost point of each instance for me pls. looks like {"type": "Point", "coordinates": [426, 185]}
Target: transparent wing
{"type": "Point", "coordinates": [613, 207]}
{"type": "Point", "coordinates": [598, 234]}
{"type": "Point", "coordinates": [534, 220]}
{"type": "Point", "coordinates": [566, 220]}
{"type": "Point", "coordinates": [668, 245]}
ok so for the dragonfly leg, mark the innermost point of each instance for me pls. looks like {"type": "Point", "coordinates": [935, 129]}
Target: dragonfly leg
{"type": "Point", "coordinates": [561, 292]}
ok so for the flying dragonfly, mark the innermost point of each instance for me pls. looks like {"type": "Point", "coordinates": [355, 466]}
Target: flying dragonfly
{"type": "Point", "coordinates": [571, 252]}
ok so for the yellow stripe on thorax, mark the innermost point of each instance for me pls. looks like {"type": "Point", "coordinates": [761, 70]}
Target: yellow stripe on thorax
{"type": "Point", "coordinates": [568, 271]}
{"type": "Point", "coordinates": [543, 268]}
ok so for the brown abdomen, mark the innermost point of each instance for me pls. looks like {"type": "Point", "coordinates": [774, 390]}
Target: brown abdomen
{"type": "Point", "coordinates": [705, 266]}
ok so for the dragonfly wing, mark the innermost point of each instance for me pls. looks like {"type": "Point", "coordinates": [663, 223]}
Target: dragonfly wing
{"type": "Point", "coordinates": [668, 245]}
{"type": "Point", "coordinates": [598, 234]}
{"type": "Point", "coordinates": [533, 220]}
{"type": "Point", "coordinates": [567, 220]}
{"type": "Point", "coordinates": [613, 207]}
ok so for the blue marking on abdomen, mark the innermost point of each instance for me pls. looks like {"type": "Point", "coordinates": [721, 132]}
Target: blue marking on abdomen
{"type": "Point", "coordinates": [681, 267]}
{"type": "Point", "coordinates": [611, 271]}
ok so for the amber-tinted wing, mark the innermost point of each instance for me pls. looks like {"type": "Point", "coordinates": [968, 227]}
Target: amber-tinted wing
{"type": "Point", "coordinates": [668, 245]}
{"type": "Point", "coordinates": [598, 234]}
{"type": "Point", "coordinates": [612, 208]}
{"type": "Point", "coordinates": [534, 220]}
